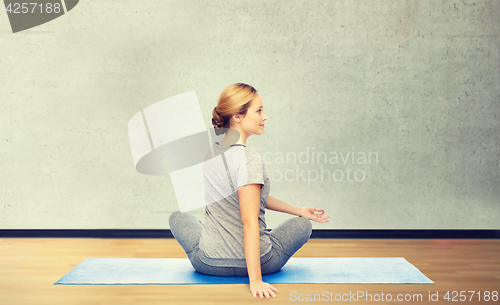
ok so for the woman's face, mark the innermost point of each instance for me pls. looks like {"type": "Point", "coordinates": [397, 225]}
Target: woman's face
{"type": "Point", "coordinates": [253, 122]}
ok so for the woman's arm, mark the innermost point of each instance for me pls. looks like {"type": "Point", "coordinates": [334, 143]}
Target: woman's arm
{"type": "Point", "coordinates": [249, 200]}
{"type": "Point", "coordinates": [274, 204]}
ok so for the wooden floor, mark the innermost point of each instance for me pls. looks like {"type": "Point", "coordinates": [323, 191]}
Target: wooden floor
{"type": "Point", "coordinates": [30, 267]}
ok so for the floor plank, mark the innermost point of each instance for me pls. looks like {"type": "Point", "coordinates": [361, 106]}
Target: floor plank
{"type": "Point", "coordinates": [30, 267]}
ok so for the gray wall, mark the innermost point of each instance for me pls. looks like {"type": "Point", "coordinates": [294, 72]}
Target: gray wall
{"type": "Point", "coordinates": [415, 83]}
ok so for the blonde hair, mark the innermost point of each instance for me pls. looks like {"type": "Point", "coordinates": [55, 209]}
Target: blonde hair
{"type": "Point", "coordinates": [234, 99]}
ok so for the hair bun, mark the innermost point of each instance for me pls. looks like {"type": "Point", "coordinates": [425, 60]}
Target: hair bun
{"type": "Point", "coordinates": [217, 123]}
{"type": "Point", "coordinates": [217, 119]}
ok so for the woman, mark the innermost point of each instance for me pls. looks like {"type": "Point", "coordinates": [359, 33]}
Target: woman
{"type": "Point", "coordinates": [233, 241]}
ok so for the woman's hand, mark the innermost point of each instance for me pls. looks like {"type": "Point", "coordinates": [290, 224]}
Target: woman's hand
{"type": "Point", "coordinates": [309, 213]}
{"type": "Point", "coordinates": [262, 289]}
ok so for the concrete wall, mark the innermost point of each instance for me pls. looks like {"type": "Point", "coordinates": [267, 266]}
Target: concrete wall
{"type": "Point", "coordinates": [414, 83]}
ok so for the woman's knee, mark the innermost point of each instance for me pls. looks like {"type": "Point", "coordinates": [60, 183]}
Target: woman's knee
{"type": "Point", "coordinates": [306, 225]}
{"type": "Point", "coordinates": [172, 219]}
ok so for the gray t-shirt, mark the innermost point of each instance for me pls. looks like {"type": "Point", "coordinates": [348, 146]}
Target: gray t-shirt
{"type": "Point", "coordinates": [221, 241]}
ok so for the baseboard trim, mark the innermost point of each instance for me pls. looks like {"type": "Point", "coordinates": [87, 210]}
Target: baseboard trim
{"type": "Point", "coordinates": [321, 234]}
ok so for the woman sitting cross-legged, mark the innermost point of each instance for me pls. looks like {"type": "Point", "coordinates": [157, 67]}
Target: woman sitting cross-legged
{"type": "Point", "coordinates": [233, 240]}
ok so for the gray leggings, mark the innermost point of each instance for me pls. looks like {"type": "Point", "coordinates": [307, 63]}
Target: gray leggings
{"type": "Point", "coordinates": [288, 237]}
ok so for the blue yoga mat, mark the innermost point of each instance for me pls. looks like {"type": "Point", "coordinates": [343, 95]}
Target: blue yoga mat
{"type": "Point", "coordinates": [298, 270]}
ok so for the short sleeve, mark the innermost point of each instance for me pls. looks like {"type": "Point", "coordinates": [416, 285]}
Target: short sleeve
{"type": "Point", "coordinates": [251, 169]}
